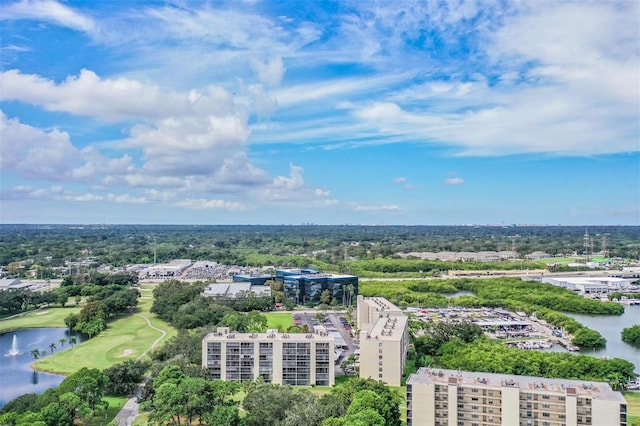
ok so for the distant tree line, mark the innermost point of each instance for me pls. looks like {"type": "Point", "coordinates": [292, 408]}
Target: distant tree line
{"type": "Point", "coordinates": [56, 245]}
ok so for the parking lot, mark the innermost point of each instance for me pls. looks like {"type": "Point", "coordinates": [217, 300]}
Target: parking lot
{"type": "Point", "coordinates": [336, 325]}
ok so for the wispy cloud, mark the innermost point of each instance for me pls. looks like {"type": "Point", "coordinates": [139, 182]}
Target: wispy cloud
{"type": "Point", "coordinates": [48, 11]}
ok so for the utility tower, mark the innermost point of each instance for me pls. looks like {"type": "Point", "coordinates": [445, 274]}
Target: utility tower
{"type": "Point", "coordinates": [587, 244]}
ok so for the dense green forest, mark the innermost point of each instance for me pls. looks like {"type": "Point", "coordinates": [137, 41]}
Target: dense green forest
{"type": "Point", "coordinates": [463, 346]}
{"type": "Point", "coordinates": [52, 245]}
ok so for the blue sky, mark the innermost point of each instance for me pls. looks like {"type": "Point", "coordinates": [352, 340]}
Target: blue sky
{"type": "Point", "coordinates": [327, 112]}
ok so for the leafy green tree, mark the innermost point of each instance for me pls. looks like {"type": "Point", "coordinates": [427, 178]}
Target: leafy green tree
{"type": "Point", "coordinates": [88, 384]}
{"type": "Point", "coordinates": [389, 407]}
{"type": "Point", "coordinates": [588, 338]}
{"type": "Point", "coordinates": [178, 397]}
{"type": "Point", "coordinates": [171, 294]}
{"type": "Point", "coordinates": [63, 297]}
{"type": "Point", "coordinates": [325, 296]}
{"type": "Point", "coordinates": [269, 405]}
{"type": "Point", "coordinates": [125, 377]}
{"type": "Point", "coordinates": [31, 419]}
{"type": "Point", "coordinates": [71, 321]}
{"type": "Point", "coordinates": [55, 414]}
{"type": "Point", "coordinates": [21, 404]}
{"type": "Point", "coordinates": [223, 415]}
{"type": "Point", "coordinates": [631, 335]}
{"type": "Point", "coordinates": [35, 353]}
{"type": "Point", "coordinates": [255, 322]}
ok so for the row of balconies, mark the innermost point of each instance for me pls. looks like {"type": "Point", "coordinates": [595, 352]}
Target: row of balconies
{"type": "Point", "coordinates": [546, 407]}
{"type": "Point", "coordinates": [557, 417]}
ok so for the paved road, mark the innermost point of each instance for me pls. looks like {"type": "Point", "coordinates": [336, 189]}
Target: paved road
{"type": "Point", "coordinates": [345, 335]}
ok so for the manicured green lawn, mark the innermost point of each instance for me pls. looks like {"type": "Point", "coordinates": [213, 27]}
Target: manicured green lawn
{"type": "Point", "coordinates": [128, 337]}
{"type": "Point", "coordinates": [115, 405]}
{"type": "Point", "coordinates": [633, 406]}
{"type": "Point", "coordinates": [48, 317]}
{"type": "Point", "coordinates": [279, 320]}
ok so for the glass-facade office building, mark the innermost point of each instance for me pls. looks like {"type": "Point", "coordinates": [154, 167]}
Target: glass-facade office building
{"type": "Point", "coordinates": [306, 285]}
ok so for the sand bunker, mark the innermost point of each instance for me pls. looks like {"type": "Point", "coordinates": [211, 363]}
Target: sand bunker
{"type": "Point", "coordinates": [126, 352]}
{"type": "Point", "coordinates": [43, 313]}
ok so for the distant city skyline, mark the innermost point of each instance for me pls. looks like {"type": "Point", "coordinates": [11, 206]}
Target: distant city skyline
{"type": "Point", "coordinates": [343, 112]}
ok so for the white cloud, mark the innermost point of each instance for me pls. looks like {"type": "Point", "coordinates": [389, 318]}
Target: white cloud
{"type": "Point", "coordinates": [126, 199]}
{"type": "Point", "coordinates": [204, 204]}
{"type": "Point", "coordinates": [89, 95]}
{"type": "Point", "coordinates": [454, 181]}
{"type": "Point", "coordinates": [48, 11]}
{"type": "Point", "coordinates": [34, 153]}
{"type": "Point", "coordinates": [376, 208]}
{"type": "Point", "coordinates": [271, 72]}
{"type": "Point", "coordinates": [97, 165]}
{"type": "Point", "coordinates": [399, 179]}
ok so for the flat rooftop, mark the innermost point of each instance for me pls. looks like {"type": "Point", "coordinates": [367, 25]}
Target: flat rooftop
{"type": "Point", "coordinates": [388, 328]}
{"type": "Point", "coordinates": [270, 335]}
{"type": "Point", "coordinates": [582, 388]}
{"type": "Point", "coordinates": [379, 303]}
{"type": "Point", "coordinates": [232, 289]}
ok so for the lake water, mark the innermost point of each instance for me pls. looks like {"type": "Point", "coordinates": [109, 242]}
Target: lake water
{"type": "Point", "coordinates": [16, 375]}
{"type": "Point", "coordinates": [459, 294]}
{"type": "Point", "coordinates": [610, 326]}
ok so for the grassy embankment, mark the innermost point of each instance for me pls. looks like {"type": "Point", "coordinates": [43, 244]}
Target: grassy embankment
{"type": "Point", "coordinates": [49, 317]}
{"type": "Point", "coordinates": [279, 320]}
{"type": "Point", "coordinates": [633, 406]}
{"type": "Point", "coordinates": [127, 337]}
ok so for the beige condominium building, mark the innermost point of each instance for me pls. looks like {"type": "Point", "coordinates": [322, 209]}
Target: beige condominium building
{"type": "Point", "coordinates": [461, 398]}
{"type": "Point", "coordinates": [384, 339]}
{"type": "Point", "coordinates": [296, 359]}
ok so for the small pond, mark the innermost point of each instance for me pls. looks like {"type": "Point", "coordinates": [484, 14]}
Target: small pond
{"type": "Point", "coordinates": [16, 375]}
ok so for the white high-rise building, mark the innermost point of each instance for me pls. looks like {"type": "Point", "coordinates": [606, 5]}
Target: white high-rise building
{"type": "Point", "coordinates": [384, 340]}
{"type": "Point", "coordinates": [296, 359]}
{"type": "Point", "coordinates": [437, 397]}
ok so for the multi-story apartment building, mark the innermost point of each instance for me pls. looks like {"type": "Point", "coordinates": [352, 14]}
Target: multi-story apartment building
{"type": "Point", "coordinates": [461, 398]}
{"type": "Point", "coordinates": [284, 358]}
{"type": "Point", "coordinates": [384, 339]}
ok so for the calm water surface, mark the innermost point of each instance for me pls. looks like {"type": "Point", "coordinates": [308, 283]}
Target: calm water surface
{"type": "Point", "coordinates": [610, 326]}
{"type": "Point", "coordinates": [16, 375]}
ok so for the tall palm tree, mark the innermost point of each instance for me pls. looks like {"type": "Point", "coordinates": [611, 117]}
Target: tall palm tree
{"type": "Point", "coordinates": [72, 340]}
{"type": "Point", "coordinates": [52, 346]}
{"type": "Point", "coordinates": [35, 354]}
{"type": "Point", "coordinates": [62, 342]}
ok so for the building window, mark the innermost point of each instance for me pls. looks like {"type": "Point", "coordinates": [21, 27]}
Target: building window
{"type": "Point", "coordinates": [296, 363]}
{"type": "Point", "coordinates": [265, 361]}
